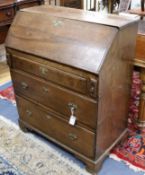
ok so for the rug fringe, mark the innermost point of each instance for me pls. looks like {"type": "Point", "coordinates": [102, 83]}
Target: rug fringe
{"type": "Point", "coordinates": [114, 157]}
{"type": "Point", "coordinates": [134, 168]}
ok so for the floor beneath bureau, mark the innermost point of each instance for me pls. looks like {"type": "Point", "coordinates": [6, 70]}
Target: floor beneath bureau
{"type": "Point", "coordinates": [110, 167]}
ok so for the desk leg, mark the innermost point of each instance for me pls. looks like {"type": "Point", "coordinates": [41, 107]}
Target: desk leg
{"type": "Point", "coordinates": [141, 120]}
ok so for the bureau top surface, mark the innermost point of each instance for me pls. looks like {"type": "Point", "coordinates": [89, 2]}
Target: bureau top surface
{"type": "Point", "coordinates": [69, 36]}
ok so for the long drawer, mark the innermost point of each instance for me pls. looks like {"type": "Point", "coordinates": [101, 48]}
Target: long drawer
{"type": "Point", "coordinates": [73, 136]}
{"type": "Point", "coordinates": [56, 98]}
{"type": "Point", "coordinates": [53, 74]}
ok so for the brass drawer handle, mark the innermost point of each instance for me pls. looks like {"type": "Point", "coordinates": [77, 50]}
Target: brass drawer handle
{"type": "Point", "coordinates": [29, 113]}
{"type": "Point", "coordinates": [46, 90]}
{"type": "Point", "coordinates": [24, 85]}
{"type": "Point", "coordinates": [72, 106]}
{"type": "Point", "coordinates": [43, 70]}
{"type": "Point", "coordinates": [72, 136]}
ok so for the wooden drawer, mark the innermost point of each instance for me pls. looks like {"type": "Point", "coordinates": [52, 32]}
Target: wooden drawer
{"type": "Point", "coordinates": [7, 14]}
{"type": "Point", "coordinates": [56, 98]}
{"type": "Point", "coordinates": [53, 74]}
{"type": "Point", "coordinates": [74, 137]}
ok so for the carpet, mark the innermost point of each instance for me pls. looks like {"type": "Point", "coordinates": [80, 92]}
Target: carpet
{"type": "Point", "coordinates": [24, 154]}
{"type": "Point", "coordinates": [7, 169]}
{"type": "Point", "coordinates": [132, 148]}
{"type": "Point", "coordinates": [8, 94]}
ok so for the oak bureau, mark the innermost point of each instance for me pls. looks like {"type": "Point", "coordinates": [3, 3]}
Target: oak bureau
{"type": "Point", "coordinates": [71, 72]}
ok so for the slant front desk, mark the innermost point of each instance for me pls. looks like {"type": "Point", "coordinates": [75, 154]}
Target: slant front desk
{"type": "Point", "coordinates": [71, 72]}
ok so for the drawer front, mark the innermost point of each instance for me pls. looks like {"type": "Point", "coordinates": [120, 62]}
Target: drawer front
{"type": "Point", "coordinates": [6, 14]}
{"type": "Point", "coordinates": [60, 77]}
{"type": "Point", "coordinates": [73, 137]}
{"type": "Point", "coordinates": [56, 98]}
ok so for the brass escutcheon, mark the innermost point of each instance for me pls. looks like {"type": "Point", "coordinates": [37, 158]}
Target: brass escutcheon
{"type": "Point", "coordinates": [72, 136]}
{"type": "Point", "coordinates": [24, 85]}
{"type": "Point", "coordinates": [43, 70]}
{"type": "Point", "coordinates": [28, 112]}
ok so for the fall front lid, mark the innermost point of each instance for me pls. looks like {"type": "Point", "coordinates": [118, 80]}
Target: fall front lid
{"type": "Point", "coordinates": [79, 39]}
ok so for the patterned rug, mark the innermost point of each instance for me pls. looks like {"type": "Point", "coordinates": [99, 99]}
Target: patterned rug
{"type": "Point", "coordinates": [8, 94]}
{"type": "Point", "coordinates": [7, 169]}
{"type": "Point", "coordinates": [132, 151]}
{"type": "Point", "coordinates": [132, 148]}
{"type": "Point", "coordinates": [24, 154]}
